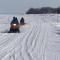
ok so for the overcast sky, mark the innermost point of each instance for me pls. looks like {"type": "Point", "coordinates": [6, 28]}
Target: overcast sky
{"type": "Point", "coordinates": [20, 6]}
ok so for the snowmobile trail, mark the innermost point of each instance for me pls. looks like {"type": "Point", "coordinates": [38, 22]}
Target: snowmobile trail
{"type": "Point", "coordinates": [24, 48]}
{"type": "Point", "coordinates": [37, 40]}
{"type": "Point", "coordinates": [21, 45]}
{"type": "Point", "coordinates": [17, 40]}
{"type": "Point", "coordinates": [5, 44]}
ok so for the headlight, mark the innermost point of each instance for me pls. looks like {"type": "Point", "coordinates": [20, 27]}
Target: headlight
{"type": "Point", "coordinates": [14, 24]}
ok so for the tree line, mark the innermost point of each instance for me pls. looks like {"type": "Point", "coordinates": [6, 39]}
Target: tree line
{"type": "Point", "coordinates": [44, 10]}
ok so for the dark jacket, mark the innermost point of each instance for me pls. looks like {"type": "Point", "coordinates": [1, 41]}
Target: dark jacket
{"type": "Point", "coordinates": [22, 20]}
{"type": "Point", "coordinates": [15, 20]}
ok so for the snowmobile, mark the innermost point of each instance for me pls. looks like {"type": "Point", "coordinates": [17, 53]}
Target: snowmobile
{"type": "Point", "coordinates": [14, 26]}
{"type": "Point", "coordinates": [22, 21]}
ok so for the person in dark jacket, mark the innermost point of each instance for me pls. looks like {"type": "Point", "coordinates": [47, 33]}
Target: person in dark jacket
{"type": "Point", "coordinates": [15, 20]}
{"type": "Point", "coordinates": [22, 21]}
{"type": "Point", "coordinates": [14, 25]}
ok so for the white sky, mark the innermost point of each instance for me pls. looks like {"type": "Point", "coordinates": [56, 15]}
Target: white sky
{"type": "Point", "coordinates": [20, 6]}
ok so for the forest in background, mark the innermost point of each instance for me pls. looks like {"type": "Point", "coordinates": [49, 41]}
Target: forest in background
{"type": "Point", "coordinates": [44, 10]}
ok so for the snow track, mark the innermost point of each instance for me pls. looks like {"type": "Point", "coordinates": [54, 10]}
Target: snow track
{"type": "Point", "coordinates": [38, 41]}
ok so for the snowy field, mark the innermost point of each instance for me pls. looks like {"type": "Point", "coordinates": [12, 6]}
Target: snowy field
{"type": "Point", "coordinates": [39, 39]}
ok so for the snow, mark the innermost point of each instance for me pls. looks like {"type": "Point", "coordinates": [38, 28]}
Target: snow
{"type": "Point", "coordinates": [39, 39]}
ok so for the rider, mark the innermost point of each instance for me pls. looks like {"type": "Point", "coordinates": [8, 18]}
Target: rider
{"type": "Point", "coordinates": [15, 20]}
{"type": "Point", "coordinates": [22, 21]}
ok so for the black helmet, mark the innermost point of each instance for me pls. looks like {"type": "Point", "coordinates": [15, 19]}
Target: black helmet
{"type": "Point", "coordinates": [14, 17]}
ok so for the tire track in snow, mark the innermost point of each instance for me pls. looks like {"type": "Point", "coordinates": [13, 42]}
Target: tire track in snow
{"type": "Point", "coordinates": [37, 36]}
{"type": "Point", "coordinates": [33, 37]}
{"type": "Point", "coordinates": [43, 43]}
{"type": "Point", "coordinates": [21, 45]}
{"type": "Point", "coordinates": [39, 39]}
{"type": "Point", "coordinates": [18, 46]}
{"type": "Point", "coordinates": [33, 33]}
{"type": "Point", "coordinates": [5, 40]}
{"type": "Point", "coordinates": [27, 39]}
{"type": "Point", "coordinates": [7, 47]}
{"type": "Point", "coordinates": [35, 40]}
{"type": "Point", "coordinates": [2, 35]}
{"type": "Point", "coordinates": [24, 49]}
{"type": "Point", "coordinates": [11, 53]}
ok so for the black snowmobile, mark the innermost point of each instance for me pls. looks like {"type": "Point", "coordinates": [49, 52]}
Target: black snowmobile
{"type": "Point", "coordinates": [14, 26]}
{"type": "Point", "coordinates": [22, 21]}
